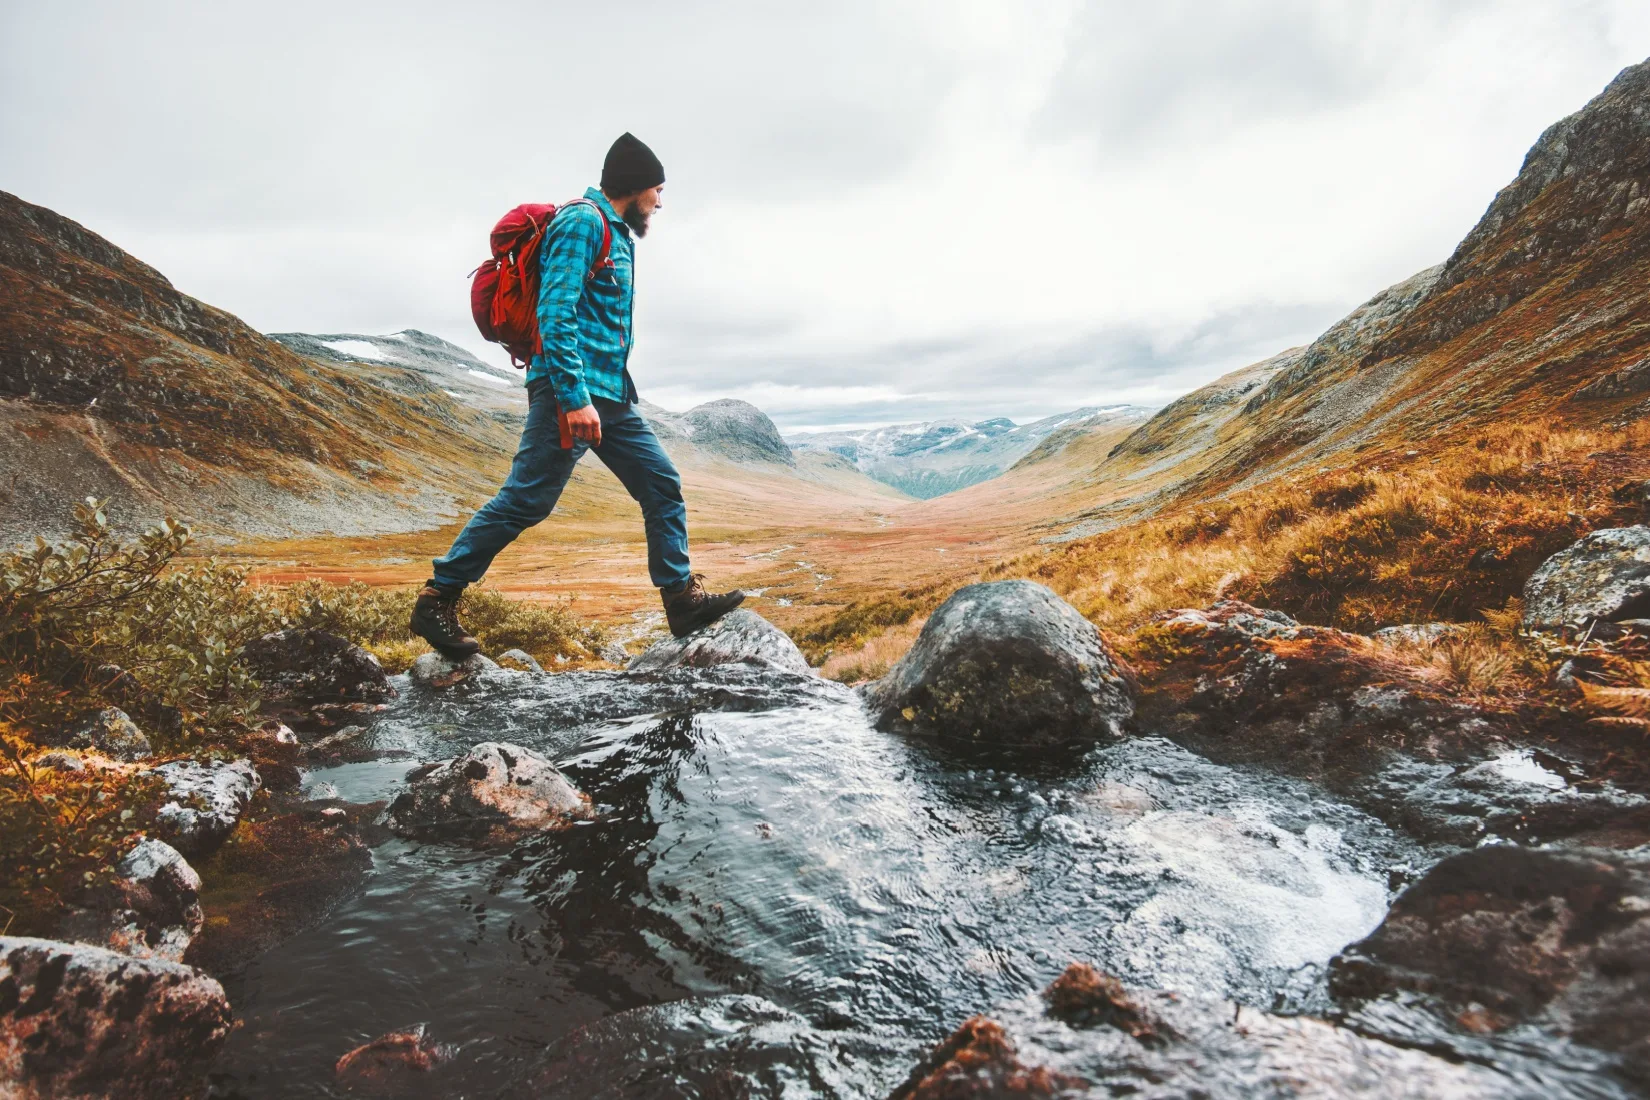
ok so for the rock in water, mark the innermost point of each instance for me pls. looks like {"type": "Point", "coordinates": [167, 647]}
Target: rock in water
{"type": "Point", "coordinates": [1504, 935]}
{"type": "Point", "coordinates": [206, 799]}
{"type": "Point", "coordinates": [79, 1021]}
{"type": "Point", "coordinates": [1604, 576]}
{"type": "Point", "coordinates": [314, 678]}
{"type": "Point", "coordinates": [433, 670]}
{"type": "Point", "coordinates": [520, 660]}
{"type": "Point", "coordinates": [1097, 1038]}
{"type": "Point", "coordinates": [493, 792]}
{"type": "Point", "coordinates": [393, 1062]}
{"type": "Point", "coordinates": [112, 732]}
{"type": "Point", "coordinates": [739, 637]}
{"type": "Point", "coordinates": [1006, 662]}
{"type": "Point", "coordinates": [150, 910]}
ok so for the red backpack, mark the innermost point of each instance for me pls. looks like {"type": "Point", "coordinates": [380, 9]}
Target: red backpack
{"type": "Point", "coordinates": [504, 291]}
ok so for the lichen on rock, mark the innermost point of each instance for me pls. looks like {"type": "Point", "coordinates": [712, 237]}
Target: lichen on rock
{"type": "Point", "coordinates": [494, 791]}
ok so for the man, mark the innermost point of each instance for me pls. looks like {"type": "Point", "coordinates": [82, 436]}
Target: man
{"type": "Point", "coordinates": [584, 317]}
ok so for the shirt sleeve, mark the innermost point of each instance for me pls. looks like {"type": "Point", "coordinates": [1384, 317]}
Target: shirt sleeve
{"type": "Point", "coordinates": [570, 248]}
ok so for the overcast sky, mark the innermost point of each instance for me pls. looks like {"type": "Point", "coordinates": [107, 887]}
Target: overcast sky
{"type": "Point", "coordinates": [875, 212]}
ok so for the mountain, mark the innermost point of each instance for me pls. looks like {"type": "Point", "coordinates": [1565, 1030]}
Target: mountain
{"type": "Point", "coordinates": [1540, 313]}
{"type": "Point", "coordinates": [410, 361]}
{"type": "Point", "coordinates": [114, 384]}
{"type": "Point", "coordinates": [937, 457]}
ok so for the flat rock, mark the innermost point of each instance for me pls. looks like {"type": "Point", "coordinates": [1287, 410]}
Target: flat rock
{"type": "Point", "coordinates": [1006, 663]}
{"type": "Point", "coordinates": [1088, 1036]}
{"type": "Point", "coordinates": [112, 732]}
{"type": "Point", "coordinates": [494, 792]}
{"type": "Point", "coordinates": [739, 637]}
{"type": "Point", "coordinates": [80, 1021]}
{"type": "Point", "coordinates": [1605, 576]}
{"type": "Point", "coordinates": [434, 670]}
{"type": "Point", "coordinates": [204, 801]}
{"type": "Point", "coordinates": [151, 909]}
{"type": "Point", "coordinates": [1506, 935]}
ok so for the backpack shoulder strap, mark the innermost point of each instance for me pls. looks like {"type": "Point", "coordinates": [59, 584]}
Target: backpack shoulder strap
{"type": "Point", "coordinates": [603, 256]}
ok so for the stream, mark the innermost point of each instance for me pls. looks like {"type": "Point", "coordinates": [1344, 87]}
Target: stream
{"type": "Point", "coordinates": [837, 899]}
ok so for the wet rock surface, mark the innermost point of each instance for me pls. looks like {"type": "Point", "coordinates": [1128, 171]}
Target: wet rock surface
{"type": "Point", "coordinates": [80, 1021]}
{"type": "Point", "coordinates": [1504, 936]}
{"type": "Point", "coordinates": [113, 733]}
{"type": "Point", "coordinates": [1245, 685]}
{"type": "Point", "coordinates": [204, 801]}
{"type": "Point", "coordinates": [1191, 1046]}
{"type": "Point", "coordinates": [739, 637]}
{"type": "Point", "coordinates": [316, 680]}
{"type": "Point", "coordinates": [1006, 663]}
{"type": "Point", "coordinates": [494, 791]}
{"type": "Point", "coordinates": [151, 909]}
{"type": "Point", "coordinates": [396, 1063]}
{"type": "Point", "coordinates": [1605, 576]}
{"type": "Point", "coordinates": [434, 670]}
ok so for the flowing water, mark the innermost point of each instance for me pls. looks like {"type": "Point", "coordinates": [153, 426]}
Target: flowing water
{"type": "Point", "coordinates": [756, 837]}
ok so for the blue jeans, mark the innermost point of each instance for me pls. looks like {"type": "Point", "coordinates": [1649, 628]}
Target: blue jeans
{"type": "Point", "coordinates": [540, 472]}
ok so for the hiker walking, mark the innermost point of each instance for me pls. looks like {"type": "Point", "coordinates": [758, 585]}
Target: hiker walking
{"type": "Point", "coordinates": [580, 397]}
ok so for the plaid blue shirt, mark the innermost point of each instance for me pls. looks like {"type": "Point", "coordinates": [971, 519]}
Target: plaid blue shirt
{"type": "Point", "coordinates": [585, 322]}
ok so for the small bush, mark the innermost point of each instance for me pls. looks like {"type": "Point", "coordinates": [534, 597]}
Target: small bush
{"type": "Point", "coordinates": [545, 631]}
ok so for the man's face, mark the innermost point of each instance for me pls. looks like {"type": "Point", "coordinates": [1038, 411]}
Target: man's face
{"type": "Point", "coordinates": [637, 209]}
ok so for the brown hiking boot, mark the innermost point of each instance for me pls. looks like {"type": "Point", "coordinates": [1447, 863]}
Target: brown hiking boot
{"type": "Point", "coordinates": [435, 619]}
{"type": "Point", "coordinates": [691, 607]}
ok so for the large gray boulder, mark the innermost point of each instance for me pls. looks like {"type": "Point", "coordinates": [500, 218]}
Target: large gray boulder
{"type": "Point", "coordinates": [739, 637]}
{"type": "Point", "coordinates": [1505, 935]}
{"type": "Point", "coordinates": [80, 1021]}
{"type": "Point", "coordinates": [205, 798]}
{"type": "Point", "coordinates": [494, 792]}
{"type": "Point", "coordinates": [1006, 663]}
{"type": "Point", "coordinates": [1604, 576]}
{"type": "Point", "coordinates": [150, 910]}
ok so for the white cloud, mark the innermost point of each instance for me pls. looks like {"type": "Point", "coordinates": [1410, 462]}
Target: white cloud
{"type": "Point", "coordinates": [876, 211]}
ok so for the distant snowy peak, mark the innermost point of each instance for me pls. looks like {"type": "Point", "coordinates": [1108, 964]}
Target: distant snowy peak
{"type": "Point", "coordinates": [444, 366]}
{"type": "Point", "coordinates": [934, 457]}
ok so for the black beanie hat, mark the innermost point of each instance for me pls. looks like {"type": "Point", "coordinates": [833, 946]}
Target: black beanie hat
{"type": "Point", "coordinates": [630, 167]}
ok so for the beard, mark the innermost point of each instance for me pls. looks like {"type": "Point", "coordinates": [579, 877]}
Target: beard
{"type": "Point", "coordinates": [635, 219]}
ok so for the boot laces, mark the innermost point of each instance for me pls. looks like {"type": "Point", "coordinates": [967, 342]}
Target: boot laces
{"type": "Point", "coordinates": [446, 613]}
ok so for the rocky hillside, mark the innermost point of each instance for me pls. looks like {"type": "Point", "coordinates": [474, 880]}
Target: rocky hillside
{"type": "Point", "coordinates": [937, 457]}
{"type": "Point", "coordinates": [115, 384]}
{"type": "Point", "coordinates": [411, 362]}
{"type": "Point", "coordinates": [1539, 313]}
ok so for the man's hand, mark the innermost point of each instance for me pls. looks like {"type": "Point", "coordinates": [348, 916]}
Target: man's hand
{"type": "Point", "coordinates": [586, 425]}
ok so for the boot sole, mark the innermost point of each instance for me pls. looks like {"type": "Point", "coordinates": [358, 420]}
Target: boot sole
{"type": "Point", "coordinates": [700, 625]}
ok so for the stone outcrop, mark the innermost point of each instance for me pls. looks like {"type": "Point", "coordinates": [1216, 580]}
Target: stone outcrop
{"type": "Point", "coordinates": [151, 908]}
{"type": "Point", "coordinates": [1604, 577]}
{"type": "Point", "coordinates": [739, 637]}
{"type": "Point", "coordinates": [79, 1021]}
{"type": "Point", "coordinates": [1006, 663]}
{"type": "Point", "coordinates": [1094, 1037]}
{"type": "Point", "coordinates": [113, 733]}
{"type": "Point", "coordinates": [434, 670]}
{"type": "Point", "coordinates": [1505, 935]}
{"type": "Point", "coordinates": [316, 680]}
{"type": "Point", "coordinates": [204, 801]}
{"type": "Point", "coordinates": [520, 660]}
{"type": "Point", "coordinates": [494, 792]}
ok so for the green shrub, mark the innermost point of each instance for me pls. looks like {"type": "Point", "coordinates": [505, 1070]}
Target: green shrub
{"type": "Point", "coordinates": [546, 632]}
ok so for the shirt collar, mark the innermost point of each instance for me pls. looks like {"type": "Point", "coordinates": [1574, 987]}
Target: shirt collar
{"type": "Point", "coordinates": [594, 194]}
